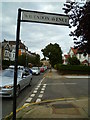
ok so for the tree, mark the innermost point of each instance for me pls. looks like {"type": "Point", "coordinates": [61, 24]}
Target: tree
{"type": "Point", "coordinates": [80, 19]}
{"type": "Point", "coordinates": [54, 53]}
{"type": "Point", "coordinates": [25, 59]}
{"type": "Point", "coordinates": [73, 61]}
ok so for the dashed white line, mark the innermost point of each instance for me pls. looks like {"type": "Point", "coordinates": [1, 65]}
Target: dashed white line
{"type": "Point", "coordinates": [38, 100]}
{"type": "Point", "coordinates": [41, 91]}
{"type": "Point", "coordinates": [39, 84]}
{"type": "Point", "coordinates": [29, 100]}
{"type": "Point", "coordinates": [35, 91]}
{"type": "Point", "coordinates": [26, 104]}
{"type": "Point", "coordinates": [44, 86]}
{"type": "Point", "coordinates": [40, 96]}
{"type": "Point", "coordinates": [36, 88]}
{"type": "Point", "coordinates": [32, 95]}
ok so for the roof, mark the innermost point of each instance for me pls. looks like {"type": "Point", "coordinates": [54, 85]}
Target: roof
{"type": "Point", "coordinates": [21, 45]}
{"type": "Point", "coordinates": [75, 50]}
{"type": "Point", "coordinates": [66, 56]}
{"type": "Point", "coordinates": [85, 61]}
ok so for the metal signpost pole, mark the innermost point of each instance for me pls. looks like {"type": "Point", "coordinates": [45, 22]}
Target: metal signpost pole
{"type": "Point", "coordinates": [16, 64]}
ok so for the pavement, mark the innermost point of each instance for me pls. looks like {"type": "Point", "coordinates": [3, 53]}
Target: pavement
{"type": "Point", "coordinates": [56, 108]}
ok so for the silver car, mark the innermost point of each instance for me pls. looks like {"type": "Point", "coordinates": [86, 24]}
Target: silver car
{"type": "Point", "coordinates": [24, 78]}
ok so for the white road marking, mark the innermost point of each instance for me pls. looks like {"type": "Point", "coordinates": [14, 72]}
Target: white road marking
{"type": "Point", "coordinates": [38, 100]}
{"type": "Point", "coordinates": [35, 91]}
{"type": "Point", "coordinates": [41, 91]}
{"type": "Point", "coordinates": [42, 80]}
{"type": "Point", "coordinates": [44, 86]}
{"type": "Point", "coordinates": [61, 83]}
{"type": "Point", "coordinates": [40, 96]}
{"type": "Point", "coordinates": [32, 95]}
{"type": "Point", "coordinates": [70, 83]}
{"type": "Point", "coordinates": [67, 76]}
{"type": "Point", "coordinates": [29, 100]}
{"type": "Point", "coordinates": [36, 88]}
{"type": "Point", "coordinates": [26, 104]}
{"type": "Point", "coordinates": [39, 84]}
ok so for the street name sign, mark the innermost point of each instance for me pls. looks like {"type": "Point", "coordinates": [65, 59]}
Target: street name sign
{"type": "Point", "coordinates": [38, 17]}
{"type": "Point", "coordinates": [43, 17]}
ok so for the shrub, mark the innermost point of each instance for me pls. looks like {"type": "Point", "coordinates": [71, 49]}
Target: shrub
{"type": "Point", "coordinates": [73, 68]}
{"type": "Point", "coordinates": [73, 61]}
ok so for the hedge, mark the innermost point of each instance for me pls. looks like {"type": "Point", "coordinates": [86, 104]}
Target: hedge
{"type": "Point", "coordinates": [73, 68]}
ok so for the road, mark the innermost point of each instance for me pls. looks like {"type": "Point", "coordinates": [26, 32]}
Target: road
{"type": "Point", "coordinates": [48, 87]}
{"type": "Point", "coordinates": [7, 103]}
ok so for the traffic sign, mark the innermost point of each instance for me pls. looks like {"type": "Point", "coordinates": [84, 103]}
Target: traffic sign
{"type": "Point", "coordinates": [43, 17]}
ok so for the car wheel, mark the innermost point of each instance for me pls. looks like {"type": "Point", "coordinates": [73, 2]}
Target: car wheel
{"type": "Point", "coordinates": [18, 91]}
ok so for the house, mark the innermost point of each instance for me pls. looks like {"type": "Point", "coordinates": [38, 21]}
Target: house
{"type": "Point", "coordinates": [5, 50]}
{"type": "Point", "coordinates": [45, 63]}
{"type": "Point", "coordinates": [79, 54]}
{"type": "Point", "coordinates": [65, 57]}
{"type": "Point", "coordinates": [9, 49]}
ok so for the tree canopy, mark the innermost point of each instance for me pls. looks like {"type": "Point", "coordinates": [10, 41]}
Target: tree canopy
{"type": "Point", "coordinates": [80, 19]}
{"type": "Point", "coordinates": [53, 52]}
{"type": "Point", "coordinates": [24, 59]}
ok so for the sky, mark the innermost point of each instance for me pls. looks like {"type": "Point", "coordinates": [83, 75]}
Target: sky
{"type": "Point", "coordinates": [35, 35]}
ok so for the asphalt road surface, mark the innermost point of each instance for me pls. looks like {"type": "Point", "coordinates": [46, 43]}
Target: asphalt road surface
{"type": "Point", "coordinates": [7, 103]}
{"type": "Point", "coordinates": [48, 88]}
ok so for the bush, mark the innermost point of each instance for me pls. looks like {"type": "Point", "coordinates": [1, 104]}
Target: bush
{"type": "Point", "coordinates": [73, 61]}
{"type": "Point", "coordinates": [74, 69]}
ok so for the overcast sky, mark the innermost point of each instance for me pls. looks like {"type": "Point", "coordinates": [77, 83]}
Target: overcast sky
{"type": "Point", "coordinates": [35, 35]}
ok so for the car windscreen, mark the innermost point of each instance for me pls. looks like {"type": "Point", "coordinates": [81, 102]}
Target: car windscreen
{"type": "Point", "coordinates": [35, 68]}
{"type": "Point", "coordinates": [10, 73]}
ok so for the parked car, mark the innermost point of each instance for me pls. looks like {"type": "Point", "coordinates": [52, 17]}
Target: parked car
{"type": "Point", "coordinates": [42, 69]}
{"type": "Point", "coordinates": [35, 70]}
{"type": "Point", "coordinates": [19, 67]}
{"type": "Point", "coordinates": [7, 76]}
